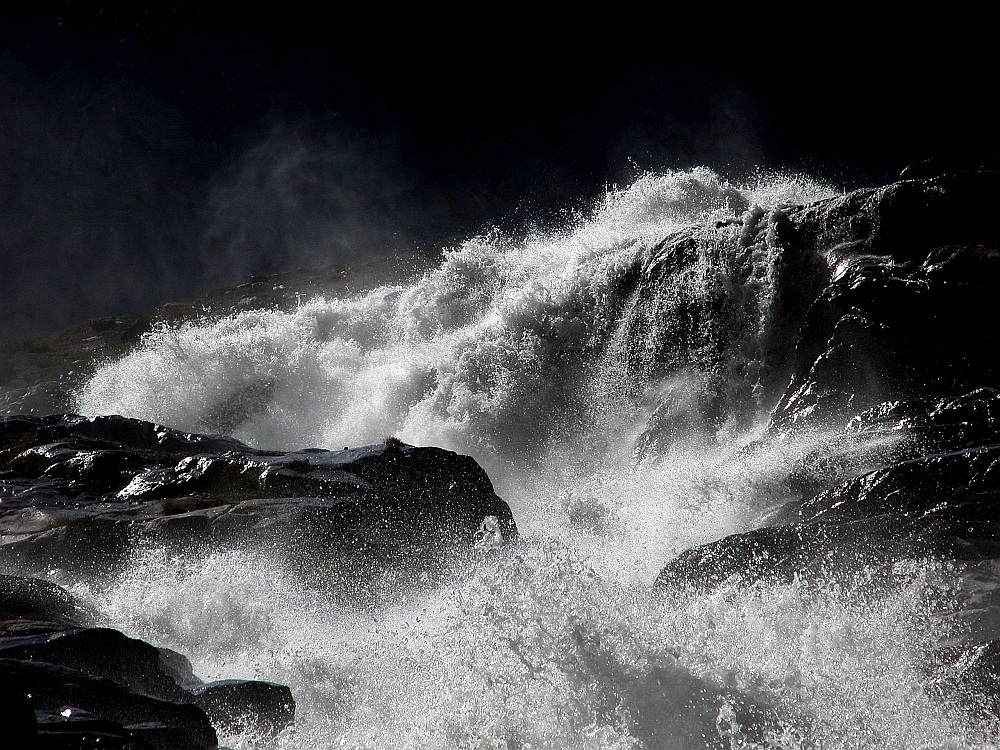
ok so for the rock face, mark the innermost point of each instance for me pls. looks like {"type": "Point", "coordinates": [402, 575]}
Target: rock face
{"type": "Point", "coordinates": [898, 348]}
{"type": "Point", "coordinates": [79, 494]}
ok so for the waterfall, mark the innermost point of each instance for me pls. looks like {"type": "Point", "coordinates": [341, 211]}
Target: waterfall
{"type": "Point", "coordinates": [612, 377]}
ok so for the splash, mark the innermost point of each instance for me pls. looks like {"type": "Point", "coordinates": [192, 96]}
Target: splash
{"type": "Point", "coordinates": [610, 377]}
{"type": "Point", "coordinates": [534, 650]}
{"type": "Point", "coordinates": [504, 351]}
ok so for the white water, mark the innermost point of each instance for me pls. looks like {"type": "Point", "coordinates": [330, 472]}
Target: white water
{"type": "Point", "coordinates": [539, 359]}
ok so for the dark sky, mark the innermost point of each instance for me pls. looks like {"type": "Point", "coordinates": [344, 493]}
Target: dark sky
{"type": "Point", "coordinates": [152, 151]}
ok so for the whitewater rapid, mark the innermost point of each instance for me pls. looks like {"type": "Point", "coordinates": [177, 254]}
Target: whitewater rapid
{"type": "Point", "coordinates": [616, 423]}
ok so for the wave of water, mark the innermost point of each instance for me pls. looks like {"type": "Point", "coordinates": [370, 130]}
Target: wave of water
{"type": "Point", "coordinates": [610, 409]}
{"type": "Point", "coordinates": [534, 650]}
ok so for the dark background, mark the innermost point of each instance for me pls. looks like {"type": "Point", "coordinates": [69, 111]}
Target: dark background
{"type": "Point", "coordinates": [153, 151]}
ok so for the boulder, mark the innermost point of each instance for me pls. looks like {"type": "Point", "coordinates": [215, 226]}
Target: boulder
{"type": "Point", "coordinates": [81, 493]}
{"type": "Point", "coordinates": [256, 708]}
{"type": "Point", "coordinates": [57, 691]}
{"type": "Point", "coordinates": [101, 652]}
{"type": "Point", "coordinates": [64, 685]}
{"type": "Point", "coordinates": [29, 606]}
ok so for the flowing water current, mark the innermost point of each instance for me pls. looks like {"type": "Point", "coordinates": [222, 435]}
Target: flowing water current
{"type": "Point", "coordinates": [613, 414]}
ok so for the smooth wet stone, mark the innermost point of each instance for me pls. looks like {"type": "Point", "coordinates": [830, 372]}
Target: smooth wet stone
{"type": "Point", "coordinates": [55, 690]}
{"type": "Point", "coordinates": [30, 605]}
{"type": "Point", "coordinates": [102, 652]}
{"type": "Point", "coordinates": [941, 505]}
{"type": "Point", "coordinates": [885, 333]}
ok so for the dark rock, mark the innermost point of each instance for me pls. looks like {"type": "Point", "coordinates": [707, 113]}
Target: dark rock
{"type": "Point", "coordinates": [748, 556]}
{"type": "Point", "coordinates": [101, 652]}
{"type": "Point", "coordinates": [81, 731]}
{"type": "Point", "coordinates": [884, 333]}
{"type": "Point", "coordinates": [261, 709]}
{"type": "Point", "coordinates": [59, 691]}
{"type": "Point", "coordinates": [29, 606]}
{"type": "Point", "coordinates": [903, 221]}
{"type": "Point", "coordinates": [894, 359]}
{"type": "Point", "coordinates": [68, 686]}
{"type": "Point", "coordinates": [177, 666]}
{"type": "Point", "coordinates": [80, 492]}
{"type": "Point", "coordinates": [17, 718]}
{"type": "Point", "coordinates": [925, 169]}
{"type": "Point", "coordinates": [942, 505]}
{"type": "Point", "coordinates": [109, 432]}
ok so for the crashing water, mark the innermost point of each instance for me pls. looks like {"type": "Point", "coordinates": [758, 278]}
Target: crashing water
{"type": "Point", "coordinates": [613, 414]}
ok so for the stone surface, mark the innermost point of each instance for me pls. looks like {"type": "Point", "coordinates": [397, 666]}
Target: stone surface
{"type": "Point", "coordinates": [57, 691]}
{"type": "Point", "coordinates": [896, 350]}
{"type": "Point", "coordinates": [261, 709]}
{"type": "Point", "coordinates": [64, 685]}
{"type": "Point", "coordinates": [80, 493]}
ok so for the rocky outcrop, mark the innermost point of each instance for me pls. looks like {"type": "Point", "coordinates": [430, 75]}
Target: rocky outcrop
{"type": "Point", "coordinates": [65, 685]}
{"type": "Point", "coordinates": [897, 350]}
{"type": "Point", "coordinates": [905, 314]}
{"type": "Point", "coordinates": [80, 493]}
{"type": "Point", "coordinates": [828, 309]}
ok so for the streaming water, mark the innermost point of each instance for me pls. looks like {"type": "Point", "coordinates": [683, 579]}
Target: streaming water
{"type": "Point", "coordinates": [608, 390]}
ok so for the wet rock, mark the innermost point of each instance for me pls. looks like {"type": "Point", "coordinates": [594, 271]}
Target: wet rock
{"type": "Point", "coordinates": [901, 317]}
{"type": "Point", "coordinates": [895, 361]}
{"type": "Point", "coordinates": [258, 709]}
{"type": "Point", "coordinates": [101, 652]}
{"type": "Point", "coordinates": [941, 505]}
{"type": "Point", "coordinates": [29, 606]}
{"type": "Point", "coordinates": [80, 493]}
{"type": "Point", "coordinates": [64, 685]}
{"type": "Point", "coordinates": [903, 221]}
{"type": "Point", "coordinates": [80, 731]}
{"type": "Point", "coordinates": [886, 333]}
{"type": "Point", "coordinates": [109, 432]}
{"type": "Point", "coordinates": [59, 691]}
